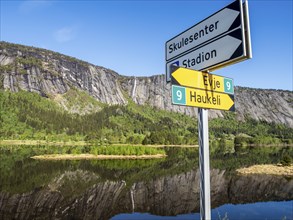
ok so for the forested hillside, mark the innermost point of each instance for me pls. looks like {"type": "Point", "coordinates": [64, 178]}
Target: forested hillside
{"type": "Point", "coordinates": [26, 115]}
{"type": "Point", "coordinates": [45, 95]}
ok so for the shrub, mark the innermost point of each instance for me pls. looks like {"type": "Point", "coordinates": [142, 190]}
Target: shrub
{"type": "Point", "coordinates": [286, 160]}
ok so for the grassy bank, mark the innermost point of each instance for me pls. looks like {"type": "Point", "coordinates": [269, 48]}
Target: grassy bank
{"type": "Point", "coordinates": [97, 152]}
{"type": "Point", "coordinates": [104, 152]}
{"type": "Point", "coordinates": [268, 169]}
{"type": "Point", "coordinates": [96, 157]}
{"type": "Point", "coordinates": [125, 150]}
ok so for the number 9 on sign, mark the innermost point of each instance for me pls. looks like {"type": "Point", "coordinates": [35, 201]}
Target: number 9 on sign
{"type": "Point", "coordinates": [229, 87]}
{"type": "Point", "coordinates": [178, 95]}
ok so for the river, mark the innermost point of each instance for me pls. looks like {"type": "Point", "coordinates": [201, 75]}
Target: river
{"type": "Point", "coordinates": [142, 189]}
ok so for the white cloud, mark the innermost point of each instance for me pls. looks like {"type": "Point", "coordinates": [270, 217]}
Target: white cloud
{"type": "Point", "coordinates": [64, 34]}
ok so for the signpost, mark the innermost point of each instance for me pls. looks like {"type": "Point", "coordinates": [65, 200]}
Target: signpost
{"type": "Point", "coordinates": [204, 164]}
{"type": "Point", "coordinates": [221, 39]}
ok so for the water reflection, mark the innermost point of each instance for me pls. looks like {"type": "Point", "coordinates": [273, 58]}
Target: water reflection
{"type": "Point", "coordinates": [33, 189]}
{"type": "Point", "coordinates": [260, 210]}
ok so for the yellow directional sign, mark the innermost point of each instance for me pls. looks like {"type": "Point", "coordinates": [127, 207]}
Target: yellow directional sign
{"type": "Point", "coordinates": [200, 80]}
{"type": "Point", "coordinates": [202, 99]}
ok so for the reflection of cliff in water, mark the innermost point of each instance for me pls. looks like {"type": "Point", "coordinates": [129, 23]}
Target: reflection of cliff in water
{"type": "Point", "coordinates": [170, 195]}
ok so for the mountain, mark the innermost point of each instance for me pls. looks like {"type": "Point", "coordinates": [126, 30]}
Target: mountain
{"type": "Point", "coordinates": [60, 77]}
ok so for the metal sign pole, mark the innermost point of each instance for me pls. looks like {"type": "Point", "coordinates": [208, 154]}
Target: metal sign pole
{"type": "Point", "coordinates": [204, 164]}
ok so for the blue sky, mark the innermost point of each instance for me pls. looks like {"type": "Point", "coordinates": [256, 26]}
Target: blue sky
{"type": "Point", "coordinates": [129, 36]}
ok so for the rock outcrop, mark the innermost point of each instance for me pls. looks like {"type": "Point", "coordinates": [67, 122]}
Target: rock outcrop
{"type": "Point", "coordinates": [50, 74]}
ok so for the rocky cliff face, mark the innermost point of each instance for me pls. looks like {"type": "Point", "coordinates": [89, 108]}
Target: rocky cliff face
{"type": "Point", "coordinates": [51, 74]}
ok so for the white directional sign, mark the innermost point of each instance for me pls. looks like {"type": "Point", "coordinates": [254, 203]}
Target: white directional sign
{"type": "Point", "coordinates": [217, 24]}
{"type": "Point", "coordinates": [225, 49]}
{"type": "Point", "coordinates": [220, 40]}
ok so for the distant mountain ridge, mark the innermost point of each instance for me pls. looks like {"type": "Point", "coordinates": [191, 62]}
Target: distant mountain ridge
{"type": "Point", "coordinates": [51, 74]}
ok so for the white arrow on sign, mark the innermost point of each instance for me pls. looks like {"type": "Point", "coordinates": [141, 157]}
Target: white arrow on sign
{"type": "Point", "coordinates": [223, 21]}
{"type": "Point", "coordinates": [212, 55]}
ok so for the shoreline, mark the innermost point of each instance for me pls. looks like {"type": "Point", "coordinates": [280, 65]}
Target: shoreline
{"type": "Point", "coordinates": [43, 142]}
{"type": "Point", "coordinates": [84, 143]}
{"type": "Point", "coordinates": [95, 157]}
{"type": "Point", "coordinates": [80, 143]}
